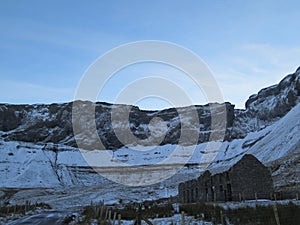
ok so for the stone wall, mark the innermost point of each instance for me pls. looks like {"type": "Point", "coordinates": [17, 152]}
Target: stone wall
{"type": "Point", "coordinates": [247, 179]}
{"type": "Point", "coordinates": [251, 179]}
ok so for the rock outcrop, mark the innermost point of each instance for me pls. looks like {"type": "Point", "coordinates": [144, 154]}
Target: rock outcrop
{"type": "Point", "coordinates": [41, 123]}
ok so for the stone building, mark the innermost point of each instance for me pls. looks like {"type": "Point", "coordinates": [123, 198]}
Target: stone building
{"type": "Point", "coordinates": [247, 179]}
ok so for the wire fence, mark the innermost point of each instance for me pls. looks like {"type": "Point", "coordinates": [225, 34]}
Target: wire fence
{"type": "Point", "coordinates": [276, 214]}
{"type": "Point", "coordinates": [257, 213]}
{"type": "Point", "coordinates": [231, 213]}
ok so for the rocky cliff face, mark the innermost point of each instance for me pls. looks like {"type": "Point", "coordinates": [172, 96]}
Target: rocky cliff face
{"type": "Point", "coordinates": [41, 124]}
{"type": "Point", "coordinates": [267, 106]}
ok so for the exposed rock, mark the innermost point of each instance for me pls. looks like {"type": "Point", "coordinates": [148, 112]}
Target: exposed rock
{"type": "Point", "coordinates": [267, 106]}
{"type": "Point", "coordinates": [53, 123]}
{"type": "Point", "coordinates": [43, 123]}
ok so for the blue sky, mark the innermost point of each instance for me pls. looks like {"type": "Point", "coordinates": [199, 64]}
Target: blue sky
{"type": "Point", "coordinates": [46, 46]}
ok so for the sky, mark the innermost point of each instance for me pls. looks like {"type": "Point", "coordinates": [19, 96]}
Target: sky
{"type": "Point", "coordinates": [47, 46]}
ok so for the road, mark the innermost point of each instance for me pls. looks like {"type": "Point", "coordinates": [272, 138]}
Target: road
{"type": "Point", "coordinates": [45, 218]}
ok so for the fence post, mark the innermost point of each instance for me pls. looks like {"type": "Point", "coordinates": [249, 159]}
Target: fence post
{"type": "Point", "coordinates": [240, 197]}
{"type": "Point", "coordinates": [106, 213]}
{"type": "Point", "coordinates": [101, 212]}
{"type": "Point", "coordinates": [182, 218]}
{"type": "Point", "coordinates": [109, 216]}
{"type": "Point", "coordinates": [222, 219]}
{"type": "Point", "coordinates": [276, 214]}
{"type": "Point", "coordinates": [275, 197]}
{"type": "Point", "coordinates": [97, 211]}
{"type": "Point", "coordinates": [114, 218]}
{"type": "Point", "coordinates": [297, 196]}
{"type": "Point", "coordinates": [119, 219]}
{"type": "Point", "coordinates": [256, 196]}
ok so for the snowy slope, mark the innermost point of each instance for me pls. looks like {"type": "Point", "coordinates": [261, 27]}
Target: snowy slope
{"type": "Point", "coordinates": [33, 166]}
{"type": "Point", "coordinates": [78, 184]}
{"type": "Point", "coordinates": [267, 106]}
{"type": "Point", "coordinates": [36, 149]}
{"type": "Point", "coordinates": [279, 140]}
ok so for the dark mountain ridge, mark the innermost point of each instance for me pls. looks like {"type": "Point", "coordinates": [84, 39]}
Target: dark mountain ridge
{"type": "Point", "coordinates": [44, 123]}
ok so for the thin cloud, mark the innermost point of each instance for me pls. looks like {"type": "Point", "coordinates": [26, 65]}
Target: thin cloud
{"type": "Point", "coordinates": [82, 38]}
{"type": "Point", "coordinates": [22, 92]}
{"type": "Point", "coordinates": [248, 68]}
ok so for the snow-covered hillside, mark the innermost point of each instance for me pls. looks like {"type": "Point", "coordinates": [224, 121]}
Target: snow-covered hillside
{"type": "Point", "coordinates": [37, 147]}
{"type": "Point", "coordinates": [66, 173]}
{"type": "Point", "coordinates": [267, 106]}
{"type": "Point", "coordinates": [66, 165]}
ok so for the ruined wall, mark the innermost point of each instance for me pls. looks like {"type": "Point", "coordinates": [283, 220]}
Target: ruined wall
{"type": "Point", "coordinates": [247, 179]}
{"type": "Point", "coordinates": [250, 176]}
